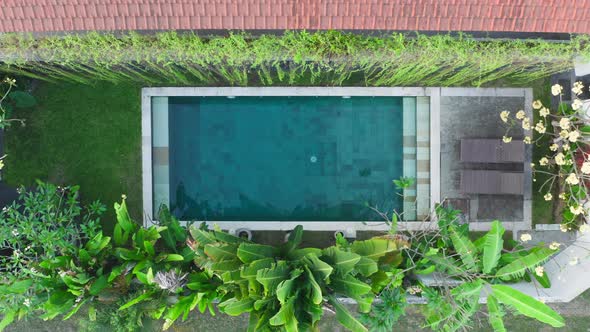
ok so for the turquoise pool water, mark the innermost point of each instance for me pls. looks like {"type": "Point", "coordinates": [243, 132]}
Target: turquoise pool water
{"type": "Point", "coordinates": [284, 158]}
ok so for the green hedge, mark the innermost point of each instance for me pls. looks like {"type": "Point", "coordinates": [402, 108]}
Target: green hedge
{"type": "Point", "coordinates": [294, 58]}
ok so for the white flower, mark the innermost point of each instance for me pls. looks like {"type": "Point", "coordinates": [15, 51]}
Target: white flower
{"type": "Point", "coordinates": [526, 237]}
{"type": "Point", "coordinates": [576, 210]}
{"type": "Point", "coordinates": [414, 290]}
{"type": "Point", "coordinates": [544, 112]}
{"type": "Point", "coordinates": [563, 227]}
{"type": "Point", "coordinates": [585, 167]}
{"type": "Point", "coordinates": [527, 140]}
{"type": "Point", "coordinates": [578, 88]}
{"type": "Point", "coordinates": [564, 123]}
{"type": "Point", "coordinates": [506, 139]}
{"type": "Point", "coordinates": [526, 124]}
{"type": "Point", "coordinates": [14, 232]}
{"type": "Point", "coordinates": [556, 89]}
{"type": "Point", "coordinates": [504, 116]}
{"type": "Point", "coordinates": [562, 196]}
{"type": "Point", "coordinates": [554, 245]}
{"type": "Point", "coordinates": [576, 104]}
{"type": "Point", "coordinates": [572, 179]}
{"type": "Point", "coordinates": [564, 134]}
{"type": "Point", "coordinates": [553, 147]}
{"type": "Point", "coordinates": [27, 302]}
{"type": "Point", "coordinates": [532, 165]}
{"type": "Point", "coordinates": [560, 159]}
{"type": "Point", "coordinates": [574, 261]}
{"type": "Point", "coordinates": [573, 136]}
{"type": "Point", "coordinates": [537, 104]}
{"type": "Point", "coordinates": [520, 115]}
{"type": "Point", "coordinates": [539, 270]}
{"type": "Point", "coordinates": [543, 161]}
{"type": "Point", "coordinates": [548, 196]}
{"type": "Point", "coordinates": [565, 147]}
{"type": "Point", "coordinates": [540, 127]}
{"type": "Point", "coordinates": [584, 228]}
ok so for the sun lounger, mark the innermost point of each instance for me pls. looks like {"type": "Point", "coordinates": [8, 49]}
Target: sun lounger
{"type": "Point", "coordinates": [492, 182]}
{"type": "Point", "coordinates": [475, 150]}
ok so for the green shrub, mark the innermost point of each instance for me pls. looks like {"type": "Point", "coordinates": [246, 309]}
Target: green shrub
{"type": "Point", "coordinates": [295, 58]}
{"type": "Point", "coordinates": [162, 272]}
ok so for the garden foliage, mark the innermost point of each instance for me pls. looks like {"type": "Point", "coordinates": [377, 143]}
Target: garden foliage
{"type": "Point", "coordinates": [294, 58]}
{"type": "Point", "coordinates": [166, 271]}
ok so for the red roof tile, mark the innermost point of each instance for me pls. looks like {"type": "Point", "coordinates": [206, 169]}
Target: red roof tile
{"type": "Point", "coordinates": [552, 16]}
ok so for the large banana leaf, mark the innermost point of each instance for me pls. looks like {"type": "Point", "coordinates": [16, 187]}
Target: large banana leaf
{"type": "Point", "coordinates": [270, 278]}
{"type": "Point", "coordinates": [224, 266]}
{"type": "Point", "coordinates": [344, 317]}
{"type": "Point", "coordinates": [201, 236]}
{"type": "Point", "coordinates": [285, 288]}
{"type": "Point", "coordinates": [342, 261]}
{"type": "Point", "coordinates": [527, 305]}
{"type": "Point", "coordinates": [319, 267]}
{"type": "Point", "coordinates": [298, 254]}
{"type": "Point", "coordinates": [518, 267]}
{"type": "Point", "coordinates": [316, 290]}
{"type": "Point", "coordinates": [374, 248]}
{"type": "Point", "coordinates": [350, 286]}
{"type": "Point", "coordinates": [295, 238]}
{"type": "Point", "coordinates": [285, 317]}
{"type": "Point", "coordinates": [250, 271]}
{"type": "Point", "coordinates": [366, 266]}
{"type": "Point", "coordinates": [235, 307]}
{"type": "Point", "coordinates": [464, 247]}
{"type": "Point", "coordinates": [495, 314]}
{"type": "Point", "coordinates": [493, 245]}
{"type": "Point", "coordinates": [221, 252]}
{"type": "Point", "coordinates": [468, 291]}
{"type": "Point", "coordinates": [249, 252]}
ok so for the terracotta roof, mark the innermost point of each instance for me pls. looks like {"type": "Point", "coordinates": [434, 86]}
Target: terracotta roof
{"type": "Point", "coordinates": [555, 16]}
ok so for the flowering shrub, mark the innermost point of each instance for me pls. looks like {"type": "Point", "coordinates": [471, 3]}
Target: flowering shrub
{"type": "Point", "coordinates": [567, 167]}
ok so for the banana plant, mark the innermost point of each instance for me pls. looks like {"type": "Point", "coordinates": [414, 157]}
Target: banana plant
{"type": "Point", "coordinates": [286, 287]}
{"type": "Point", "coordinates": [484, 265]}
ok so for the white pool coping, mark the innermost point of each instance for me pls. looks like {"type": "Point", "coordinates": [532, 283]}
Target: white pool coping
{"type": "Point", "coordinates": [347, 227]}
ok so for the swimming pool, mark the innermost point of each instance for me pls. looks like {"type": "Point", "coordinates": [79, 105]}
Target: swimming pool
{"type": "Point", "coordinates": [282, 158]}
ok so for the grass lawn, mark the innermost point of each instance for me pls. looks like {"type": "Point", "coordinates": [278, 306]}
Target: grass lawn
{"type": "Point", "coordinates": [84, 135]}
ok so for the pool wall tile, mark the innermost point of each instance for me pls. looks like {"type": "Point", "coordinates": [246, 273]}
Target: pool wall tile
{"type": "Point", "coordinates": [409, 155]}
{"type": "Point", "coordinates": [160, 153]}
{"type": "Point", "coordinates": [423, 157]}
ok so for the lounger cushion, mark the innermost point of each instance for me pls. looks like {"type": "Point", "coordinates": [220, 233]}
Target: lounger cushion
{"type": "Point", "coordinates": [480, 150]}
{"type": "Point", "coordinates": [492, 182]}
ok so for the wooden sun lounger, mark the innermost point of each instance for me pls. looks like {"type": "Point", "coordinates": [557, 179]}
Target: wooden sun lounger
{"type": "Point", "coordinates": [492, 182]}
{"type": "Point", "coordinates": [479, 150]}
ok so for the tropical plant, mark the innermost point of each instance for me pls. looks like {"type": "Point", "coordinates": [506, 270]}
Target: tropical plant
{"type": "Point", "coordinates": [162, 272]}
{"type": "Point", "coordinates": [287, 286]}
{"type": "Point", "coordinates": [482, 266]}
{"type": "Point", "coordinates": [104, 269]}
